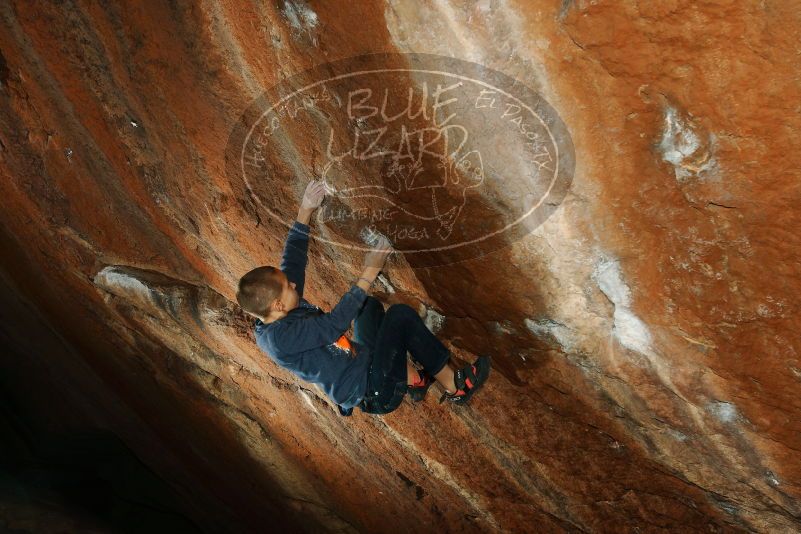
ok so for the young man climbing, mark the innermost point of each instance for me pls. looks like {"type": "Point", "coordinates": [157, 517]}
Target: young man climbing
{"type": "Point", "coordinates": [372, 370]}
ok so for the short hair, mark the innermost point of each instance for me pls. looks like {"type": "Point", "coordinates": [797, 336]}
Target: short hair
{"type": "Point", "coordinates": [258, 289]}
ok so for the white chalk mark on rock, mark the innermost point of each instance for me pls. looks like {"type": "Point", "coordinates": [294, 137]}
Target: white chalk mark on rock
{"type": "Point", "coordinates": [628, 328]}
{"type": "Point", "coordinates": [682, 147]}
{"type": "Point", "coordinates": [307, 399]}
{"type": "Point", "coordinates": [726, 412]}
{"type": "Point", "coordinates": [301, 18]}
{"type": "Point", "coordinates": [384, 281]}
{"type": "Point", "coordinates": [434, 320]}
{"type": "Point", "coordinates": [113, 278]}
{"type": "Point", "coordinates": [553, 329]}
{"type": "Point", "coordinates": [772, 480]}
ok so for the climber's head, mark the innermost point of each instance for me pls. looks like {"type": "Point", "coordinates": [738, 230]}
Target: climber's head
{"type": "Point", "coordinates": [266, 293]}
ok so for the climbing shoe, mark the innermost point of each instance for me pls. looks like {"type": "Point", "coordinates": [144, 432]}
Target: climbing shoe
{"type": "Point", "coordinates": [468, 380]}
{"type": "Point", "coordinates": [418, 390]}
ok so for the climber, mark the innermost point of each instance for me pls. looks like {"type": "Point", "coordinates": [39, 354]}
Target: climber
{"type": "Point", "coordinates": [372, 370]}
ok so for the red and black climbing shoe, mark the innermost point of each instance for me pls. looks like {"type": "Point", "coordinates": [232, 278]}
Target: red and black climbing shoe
{"type": "Point", "coordinates": [418, 390]}
{"type": "Point", "coordinates": [468, 380]}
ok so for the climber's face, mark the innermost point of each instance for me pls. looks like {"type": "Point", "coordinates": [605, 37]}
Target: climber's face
{"type": "Point", "coordinates": [289, 296]}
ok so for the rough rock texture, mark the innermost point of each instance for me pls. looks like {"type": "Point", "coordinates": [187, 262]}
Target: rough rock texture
{"type": "Point", "coordinates": [647, 368]}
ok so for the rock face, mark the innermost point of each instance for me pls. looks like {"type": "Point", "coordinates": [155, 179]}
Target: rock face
{"type": "Point", "coordinates": [644, 330]}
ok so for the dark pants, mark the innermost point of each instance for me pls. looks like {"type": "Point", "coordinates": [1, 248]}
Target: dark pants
{"type": "Point", "coordinates": [389, 335]}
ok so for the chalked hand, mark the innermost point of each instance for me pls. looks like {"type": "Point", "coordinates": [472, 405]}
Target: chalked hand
{"type": "Point", "coordinates": [314, 194]}
{"type": "Point", "coordinates": [381, 249]}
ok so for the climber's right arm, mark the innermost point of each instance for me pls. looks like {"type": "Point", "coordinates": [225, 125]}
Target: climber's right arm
{"type": "Point", "coordinates": [298, 335]}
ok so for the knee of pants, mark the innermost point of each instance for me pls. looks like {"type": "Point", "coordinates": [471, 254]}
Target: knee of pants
{"type": "Point", "coordinates": [401, 311]}
{"type": "Point", "coordinates": [372, 301]}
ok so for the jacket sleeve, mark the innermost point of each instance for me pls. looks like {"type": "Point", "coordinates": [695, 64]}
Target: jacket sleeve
{"type": "Point", "coordinates": [296, 255]}
{"type": "Point", "coordinates": [318, 330]}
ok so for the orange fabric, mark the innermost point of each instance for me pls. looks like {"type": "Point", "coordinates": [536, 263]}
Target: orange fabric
{"type": "Point", "coordinates": [343, 343]}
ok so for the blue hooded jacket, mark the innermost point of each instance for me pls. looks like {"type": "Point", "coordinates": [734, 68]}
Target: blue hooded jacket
{"type": "Point", "coordinates": [309, 342]}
